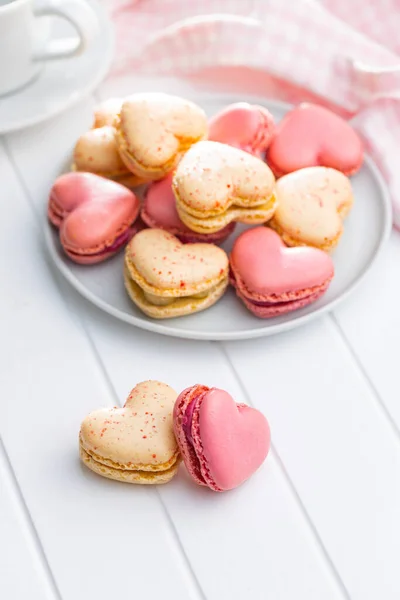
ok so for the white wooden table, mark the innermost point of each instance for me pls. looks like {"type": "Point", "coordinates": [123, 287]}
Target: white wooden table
{"type": "Point", "coordinates": [319, 521]}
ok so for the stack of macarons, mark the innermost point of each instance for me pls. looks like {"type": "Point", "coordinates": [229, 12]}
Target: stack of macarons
{"type": "Point", "coordinates": [222, 443]}
{"type": "Point", "coordinates": [289, 181]}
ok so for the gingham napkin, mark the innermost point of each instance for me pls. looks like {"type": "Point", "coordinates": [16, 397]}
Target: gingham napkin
{"type": "Point", "coordinates": [342, 53]}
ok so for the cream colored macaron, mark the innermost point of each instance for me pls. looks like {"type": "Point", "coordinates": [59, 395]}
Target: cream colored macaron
{"type": "Point", "coordinates": [154, 129]}
{"type": "Point", "coordinates": [136, 443]}
{"type": "Point", "coordinates": [105, 112]}
{"type": "Point", "coordinates": [166, 278]}
{"type": "Point", "coordinates": [215, 184]}
{"type": "Point", "coordinates": [96, 152]}
{"type": "Point", "coordinates": [312, 204]}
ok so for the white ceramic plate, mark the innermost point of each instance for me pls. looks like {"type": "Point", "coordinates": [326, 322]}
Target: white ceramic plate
{"type": "Point", "coordinates": [61, 83]}
{"type": "Point", "coordinates": [366, 228]}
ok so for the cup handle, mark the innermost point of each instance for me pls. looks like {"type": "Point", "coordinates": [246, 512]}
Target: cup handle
{"type": "Point", "coordinates": [81, 16]}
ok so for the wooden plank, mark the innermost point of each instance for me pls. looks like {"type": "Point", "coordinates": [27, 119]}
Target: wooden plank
{"type": "Point", "coordinates": [338, 450]}
{"type": "Point", "coordinates": [370, 322]}
{"type": "Point", "coordinates": [20, 551]}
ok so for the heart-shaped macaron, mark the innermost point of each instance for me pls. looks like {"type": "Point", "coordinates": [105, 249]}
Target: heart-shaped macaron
{"type": "Point", "coordinates": [246, 126]}
{"type": "Point", "coordinates": [105, 112]}
{"type": "Point", "coordinates": [135, 443]}
{"type": "Point", "coordinates": [216, 184]}
{"type": "Point", "coordinates": [159, 212]}
{"type": "Point", "coordinates": [272, 279]}
{"type": "Point", "coordinates": [222, 443]}
{"type": "Point", "coordinates": [95, 215]}
{"type": "Point", "coordinates": [166, 278]}
{"type": "Point", "coordinates": [312, 204]}
{"type": "Point", "coordinates": [96, 152]}
{"type": "Point", "coordinates": [154, 129]}
{"type": "Point", "coordinates": [311, 135]}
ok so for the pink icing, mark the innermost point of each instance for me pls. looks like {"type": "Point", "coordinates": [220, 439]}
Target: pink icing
{"type": "Point", "coordinates": [98, 210]}
{"type": "Point", "coordinates": [244, 126]}
{"type": "Point", "coordinates": [267, 266]}
{"type": "Point", "coordinates": [235, 439]}
{"type": "Point", "coordinates": [312, 135]}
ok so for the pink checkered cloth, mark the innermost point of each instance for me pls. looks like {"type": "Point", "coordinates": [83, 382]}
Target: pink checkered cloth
{"type": "Point", "coordinates": [342, 53]}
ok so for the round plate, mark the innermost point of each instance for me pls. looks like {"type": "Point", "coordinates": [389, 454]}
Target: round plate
{"type": "Point", "coordinates": [366, 228]}
{"type": "Point", "coordinates": [61, 83]}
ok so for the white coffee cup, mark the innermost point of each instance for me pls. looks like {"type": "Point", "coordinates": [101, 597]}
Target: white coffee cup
{"type": "Point", "coordinates": [23, 50]}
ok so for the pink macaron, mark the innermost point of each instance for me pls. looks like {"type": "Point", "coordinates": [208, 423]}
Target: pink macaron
{"type": "Point", "coordinates": [96, 216]}
{"type": "Point", "coordinates": [222, 443]}
{"type": "Point", "coordinates": [272, 279]}
{"type": "Point", "coordinates": [311, 136]}
{"type": "Point", "coordinates": [246, 126]}
{"type": "Point", "coordinates": [159, 212]}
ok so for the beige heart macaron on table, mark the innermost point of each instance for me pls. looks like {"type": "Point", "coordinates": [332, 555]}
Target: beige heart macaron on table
{"type": "Point", "coordinates": [136, 443]}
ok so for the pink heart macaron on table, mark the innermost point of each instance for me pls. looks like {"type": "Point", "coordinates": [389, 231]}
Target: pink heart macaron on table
{"type": "Point", "coordinates": [272, 279]}
{"type": "Point", "coordinates": [312, 135]}
{"type": "Point", "coordinates": [95, 216]}
{"type": "Point", "coordinates": [222, 443]}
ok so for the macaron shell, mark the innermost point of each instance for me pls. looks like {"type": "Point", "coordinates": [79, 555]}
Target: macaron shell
{"type": "Point", "coordinates": [154, 128]}
{"type": "Point", "coordinates": [212, 176]}
{"type": "Point", "coordinates": [242, 125]}
{"type": "Point", "coordinates": [67, 192]}
{"type": "Point", "coordinates": [96, 152]}
{"type": "Point", "coordinates": [105, 113]}
{"type": "Point", "coordinates": [268, 268]}
{"type": "Point", "coordinates": [235, 439]}
{"type": "Point", "coordinates": [159, 262]}
{"type": "Point", "coordinates": [312, 135]}
{"type": "Point", "coordinates": [94, 225]}
{"type": "Point", "coordinates": [160, 207]}
{"type": "Point", "coordinates": [312, 203]}
{"type": "Point", "coordinates": [138, 436]}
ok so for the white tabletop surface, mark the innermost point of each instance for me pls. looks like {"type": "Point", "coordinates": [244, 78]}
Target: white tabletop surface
{"type": "Point", "coordinates": [319, 521]}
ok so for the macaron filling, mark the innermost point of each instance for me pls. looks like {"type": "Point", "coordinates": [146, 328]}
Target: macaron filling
{"type": "Point", "coordinates": [188, 418]}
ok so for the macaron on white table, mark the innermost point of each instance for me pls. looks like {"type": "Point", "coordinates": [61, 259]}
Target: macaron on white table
{"type": "Point", "coordinates": [320, 520]}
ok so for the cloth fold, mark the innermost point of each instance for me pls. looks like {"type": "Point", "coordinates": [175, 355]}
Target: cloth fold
{"type": "Point", "coordinates": [344, 54]}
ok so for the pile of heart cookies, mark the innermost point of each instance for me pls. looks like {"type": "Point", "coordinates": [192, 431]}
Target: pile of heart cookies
{"type": "Point", "coordinates": [198, 179]}
{"type": "Point", "coordinates": [222, 443]}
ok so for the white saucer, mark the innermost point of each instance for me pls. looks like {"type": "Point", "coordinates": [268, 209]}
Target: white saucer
{"type": "Point", "coordinates": [365, 231]}
{"type": "Point", "coordinates": [61, 83]}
